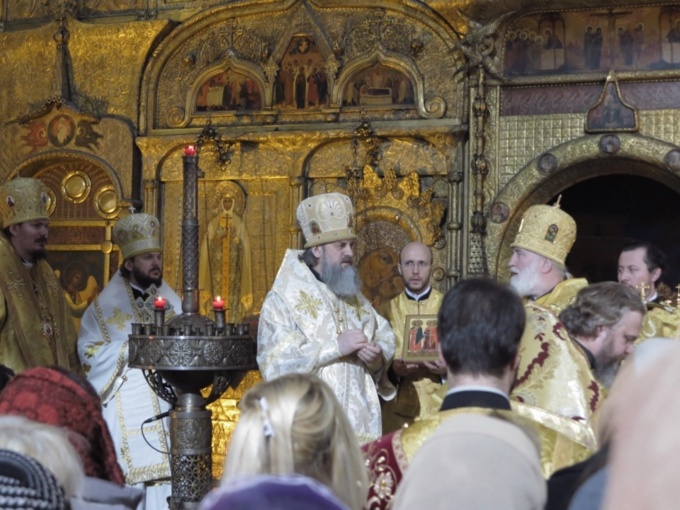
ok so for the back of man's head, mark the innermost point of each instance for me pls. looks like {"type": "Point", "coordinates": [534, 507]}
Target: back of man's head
{"type": "Point", "coordinates": [480, 326]}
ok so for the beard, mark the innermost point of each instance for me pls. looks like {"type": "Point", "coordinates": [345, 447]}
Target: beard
{"type": "Point", "coordinates": [525, 281]}
{"type": "Point", "coordinates": [606, 373]}
{"type": "Point", "coordinates": [607, 365]}
{"type": "Point", "coordinates": [342, 281]}
{"type": "Point", "coordinates": [40, 253]}
{"type": "Point", "coordinates": [144, 280]}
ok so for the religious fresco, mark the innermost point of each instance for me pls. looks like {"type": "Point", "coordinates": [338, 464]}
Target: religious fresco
{"type": "Point", "coordinates": [302, 82]}
{"type": "Point", "coordinates": [611, 113]}
{"type": "Point", "coordinates": [229, 91]}
{"type": "Point", "coordinates": [380, 278]}
{"type": "Point", "coordinates": [593, 41]}
{"type": "Point", "coordinates": [59, 132]}
{"type": "Point", "coordinates": [82, 276]}
{"type": "Point", "coordinates": [378, 86]}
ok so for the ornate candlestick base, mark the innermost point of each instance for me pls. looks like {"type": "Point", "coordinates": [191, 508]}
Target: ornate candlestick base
{"type": "Point", "coordinates": [179, 358]}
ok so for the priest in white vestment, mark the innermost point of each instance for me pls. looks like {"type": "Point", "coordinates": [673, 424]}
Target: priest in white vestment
{"type": "Point", "coordinates": [315, 318]}
{"type": "Point", "coordinates": [103, 349]}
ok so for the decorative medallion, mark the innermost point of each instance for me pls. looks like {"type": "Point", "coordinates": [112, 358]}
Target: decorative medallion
{"type": "Point", "coordinates": [75, 186]}
{"type": "Point", "coordinates": [547, 163]}
{"type": "Point", "coordinates": [672, 160]}
{"type": "Point", "coordinates": [610, 144]}
{"type": "Point", "coordinates": [61, 130]}
{"type": "Point", "coordinates": [106, 202]}
{"type": "Point", "coordinates": [499, 212]}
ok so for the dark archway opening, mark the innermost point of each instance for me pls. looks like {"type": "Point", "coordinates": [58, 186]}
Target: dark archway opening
{"type": "Point", "coordinates": [612, 210]}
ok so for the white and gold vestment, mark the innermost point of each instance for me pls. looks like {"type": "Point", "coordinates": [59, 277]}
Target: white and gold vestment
{"type": "Point", "coordinates": [298, 330]}
{"type": "Point", "coordinates": [127, 398]}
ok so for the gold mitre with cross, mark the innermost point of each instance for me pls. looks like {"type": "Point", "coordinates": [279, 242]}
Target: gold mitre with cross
{"type": "Point", "coordinates": [548, 231]}
{"type": "Point", "coordinates": [23, 199]}
{"type": "Point", "coordinates": [326, 218]}
{"type": "Point", "coordinates": [136, 234]}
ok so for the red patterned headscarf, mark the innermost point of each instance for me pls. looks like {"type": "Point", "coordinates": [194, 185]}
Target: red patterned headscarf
{"type": "Point", "coordinates": [49, 395]}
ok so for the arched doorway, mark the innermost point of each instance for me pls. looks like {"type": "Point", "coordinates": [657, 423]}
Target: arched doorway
{"type": "Point", "coordinates": [589, 162]}
{"type": "Point", "coordinates": [614, 209]}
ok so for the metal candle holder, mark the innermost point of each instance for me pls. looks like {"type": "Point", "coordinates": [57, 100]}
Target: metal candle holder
{"type": "Point", "coordinates": [186, 354]}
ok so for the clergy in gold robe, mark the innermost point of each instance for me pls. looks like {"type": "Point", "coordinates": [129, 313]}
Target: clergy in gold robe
{"type": "Point", "coordinates": [419, 385]}
{"type": "Point", "coordinates": [315, 319]}
{"type": "Point", "coordinates": [554, 373]}
{"type": "Point", "coordinates": [662, 320]}
{"type": "Point", "coordinates": [568, 364]}
{"type": "Point", "coordinates": [538, 273]}
{"type": "Point", "coordinates": [36, 328]}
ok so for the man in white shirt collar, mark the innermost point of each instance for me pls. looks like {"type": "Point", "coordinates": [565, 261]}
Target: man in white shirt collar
{"type": "Point", "coordinates": [641, 265]}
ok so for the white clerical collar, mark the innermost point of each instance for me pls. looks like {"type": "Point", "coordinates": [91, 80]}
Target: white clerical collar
{"type": "Point", "coordinates": [652, 297]}
{"type": "Point", "coordinates": [137, 287]}
{"type": "Point", "coordinates": [417, 297]}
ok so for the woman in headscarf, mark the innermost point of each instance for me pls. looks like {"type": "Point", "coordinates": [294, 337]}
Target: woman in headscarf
{"type": "Point", "coordinates": [58, 397]}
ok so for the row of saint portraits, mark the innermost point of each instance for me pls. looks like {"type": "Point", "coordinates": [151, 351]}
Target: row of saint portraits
{"type": "Point", "coordinates": [302, 84]}
{"type": "Point", "coordinates": [593, 41]}
{"type": "Point", "coordinates": [554, 43]}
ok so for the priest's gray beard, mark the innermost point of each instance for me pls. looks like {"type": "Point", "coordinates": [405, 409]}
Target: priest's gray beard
{"type": "Point", "coordinates": [342, 281]}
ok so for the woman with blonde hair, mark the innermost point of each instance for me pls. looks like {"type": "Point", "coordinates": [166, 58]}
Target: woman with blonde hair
{"type": "Point", "coordinates": [48, 445]}
{"type": "Point", "coordinates": [294, 424]}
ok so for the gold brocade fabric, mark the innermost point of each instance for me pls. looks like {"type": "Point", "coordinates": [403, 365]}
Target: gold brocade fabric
{"type": "Point", "coordinates": [562, 295]}
{"type": "Point", "coordinates": [554, 373]}
{"type": "Point", "coordinates": [660, 321]}
{"type": "Point", "coordinates": [36, 328]}
{"type": "Point", "coordinates": [564, 441]}
{"type": "Point", "coordinates": [416, 397]}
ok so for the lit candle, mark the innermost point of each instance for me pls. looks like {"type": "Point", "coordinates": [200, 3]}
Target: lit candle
{"type": "Point", "coordinates": [218, 303]}
{"type": "Point", "coordinates": [160, 303]}
{"type": "Point", "coordinates": [189, 150]}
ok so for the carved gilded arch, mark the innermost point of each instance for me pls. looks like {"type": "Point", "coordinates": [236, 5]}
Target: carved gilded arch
{"type": "Point", "coordinates": [259, 31]}
{"type": "Point", "coordinates": [432, 108]}
{"type": "Point", "coordinates": [181, 117]}
{"type": "Point", "coordinates": [565, 165]}
{"type": "Point", "coordinates": [60, 164]}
